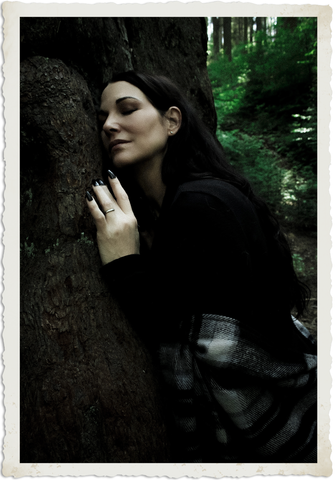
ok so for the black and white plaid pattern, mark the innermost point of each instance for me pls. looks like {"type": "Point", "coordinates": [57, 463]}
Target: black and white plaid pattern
{"type": "Point", "coordinates": [237, 397]}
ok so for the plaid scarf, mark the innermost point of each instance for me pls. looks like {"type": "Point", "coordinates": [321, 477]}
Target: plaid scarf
{"type": "Point", "coordinates": [237, 397]}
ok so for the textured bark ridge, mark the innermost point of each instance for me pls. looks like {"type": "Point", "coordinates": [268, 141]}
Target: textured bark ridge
{"type": "Point", "coordinates": [89, 392]}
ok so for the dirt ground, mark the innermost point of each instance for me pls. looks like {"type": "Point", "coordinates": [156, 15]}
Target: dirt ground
{"type": "Point", "coordinates": [304, 249]}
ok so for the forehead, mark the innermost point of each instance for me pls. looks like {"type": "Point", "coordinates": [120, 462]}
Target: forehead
{"type": "Point", "coordinates": [118, 90]}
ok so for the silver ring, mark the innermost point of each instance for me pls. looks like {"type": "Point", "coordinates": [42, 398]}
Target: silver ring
{"type": "Point", "coordinates": [110, 210]}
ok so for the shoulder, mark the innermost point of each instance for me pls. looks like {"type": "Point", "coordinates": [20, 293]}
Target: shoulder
{"type": "Point", "coordinates": [211, 214]}
{"type": "Point", "coordinates": [211, 191]}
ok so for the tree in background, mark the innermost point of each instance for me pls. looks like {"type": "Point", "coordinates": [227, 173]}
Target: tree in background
{"type": "Point", "coordinates": [245, 29]}
{"type": "Point", "coordinates": [251, 29]}
{"type": "Point", "coordinates": [217, 35]}
{"type": "Point", "coordinates": [260, 24]}
{"type": "Point", "coordinates": [227, 33]}
{"type": "Point", "coordinates": [227, 37]}
{"type": "Point", "coordinates": [89, 392]}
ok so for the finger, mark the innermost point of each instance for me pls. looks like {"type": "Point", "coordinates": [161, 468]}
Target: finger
{"type": "Point", "coordinates": [120, 194]}
{"type": "Point", "coordinates": [104, 197]}
{"type": "Point", "coordinates": [96, 213]}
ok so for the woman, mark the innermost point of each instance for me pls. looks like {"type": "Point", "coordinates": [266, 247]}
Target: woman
{"type": "Point", "coordinates": [211, 284]}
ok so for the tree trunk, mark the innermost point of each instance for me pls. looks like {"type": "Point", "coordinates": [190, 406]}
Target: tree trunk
{"type": "Point", "coordinates": [245, 30]}
{"type": "Point", "coordinates": [240, 29]}
{"type": "Point", "coordinates": [227, 36]}
{"type": "Point", "coordinates": [259, 24]}
{"type": "Point", "coordinates": [221, 32]}
{"type": "Point", "coordinates": [216, 36]}
{"type": "Point", "coordinates": [264, 24]}
{"type": "Point", "coordinates": [89, 390]}
{"type": "Point", "coordinates": [251, 29]}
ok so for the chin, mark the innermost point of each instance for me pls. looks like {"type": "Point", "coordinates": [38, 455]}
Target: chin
{"type": "Point", "coordinates": [121, 163]}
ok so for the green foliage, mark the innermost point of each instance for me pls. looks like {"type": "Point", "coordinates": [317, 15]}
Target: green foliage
{"type": "Point", "coordinates": [270, 86]}
{"type": "Point", "coordinates": [26, 249]}
{"type": "Point", "coordinates": [280, 71]}
{"type": "Point", "coordinates": [267, 116]}
{"type": "Point", "coordinates": [85, 241]}
{"type": "Point", "coordinates": [55, 245]}
{"type": "Point", "coordinates": [301, 268]}
{"type": "Point", "coordinates": [249, 156]}
{"type": "Point", "coordinates": [299, 205]}
{"type": "Point", "coordinates": [228, 84]}
{"type": "Point", "coordinates": [290, 193]}
{"type": "Point", "coordinates": [299, 265]}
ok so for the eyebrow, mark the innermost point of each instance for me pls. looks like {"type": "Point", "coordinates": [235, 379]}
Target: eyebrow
{"type": "Point", "coordinates": [124, 98]}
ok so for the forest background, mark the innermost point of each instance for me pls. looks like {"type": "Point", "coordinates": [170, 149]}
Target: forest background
{"type": "Point", "coordinates": [263, 72]}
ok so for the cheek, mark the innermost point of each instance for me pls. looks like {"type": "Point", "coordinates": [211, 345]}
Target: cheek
{"type": "Point", "coordinates": [151, 123]}
{"type": "Point", "coordinates": [155, 132]}
{"type": "Point", "coordinates": [104, 140]}
{"type": "Point", "coordinates": [152, 141]}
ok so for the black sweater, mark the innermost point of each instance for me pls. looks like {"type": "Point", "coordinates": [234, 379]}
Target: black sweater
{"type": "Point", "coordinates": [209, 255]}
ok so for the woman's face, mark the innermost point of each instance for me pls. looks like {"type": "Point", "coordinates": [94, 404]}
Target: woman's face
{"type": "Point", "coordinates": [133, 130]}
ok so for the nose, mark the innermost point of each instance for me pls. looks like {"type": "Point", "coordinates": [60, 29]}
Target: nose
{"type": "Point", "coordinates": [110, 126]}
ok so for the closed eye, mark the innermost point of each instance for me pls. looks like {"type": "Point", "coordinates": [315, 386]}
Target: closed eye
{"type": "Point", "coordinates": [128, 112]}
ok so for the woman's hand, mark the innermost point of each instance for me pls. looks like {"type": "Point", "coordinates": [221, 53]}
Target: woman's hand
{"type": "Point", "coordinates": [117, 230]}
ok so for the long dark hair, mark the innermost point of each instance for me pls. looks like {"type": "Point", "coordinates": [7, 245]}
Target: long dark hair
{"type": "Point", "coordinates": [194, 152]}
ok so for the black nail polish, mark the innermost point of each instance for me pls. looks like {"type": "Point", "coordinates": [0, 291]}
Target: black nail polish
{"type": "Point", "coordinates": [89, 196]}
{"type": "Point", "coordinates": [100, 182]}
{"type": "Point", "coordinates": [95, 183]}
{"type": "Point", "coordinates": [111, 174]}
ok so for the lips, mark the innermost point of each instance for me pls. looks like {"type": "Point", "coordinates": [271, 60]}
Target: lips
{"type": "Point", "coordinates": [114, 143]}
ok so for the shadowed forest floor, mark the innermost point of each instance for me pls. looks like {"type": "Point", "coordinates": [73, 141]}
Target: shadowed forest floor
{"type": "Point", "coordinates": [304, 249]}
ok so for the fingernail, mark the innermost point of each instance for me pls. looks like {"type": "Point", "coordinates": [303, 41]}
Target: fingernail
{"type": "Point", "coordinates": [100, 182]}
{"type": "Point", "coordinates": [111, 174]}
{"type": "Point", "coordinates": [89, 196]}
{"type": "Point", "coordinates": [95, 183]}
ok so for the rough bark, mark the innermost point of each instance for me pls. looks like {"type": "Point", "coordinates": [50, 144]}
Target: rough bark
{"type": "Point", "coordinates": [83, 371]}
{"type": "Point", "coordinates": [89, 390]}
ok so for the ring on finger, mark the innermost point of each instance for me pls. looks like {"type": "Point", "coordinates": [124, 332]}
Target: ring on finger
{"type": "Point", "coordinates": [109, 210]}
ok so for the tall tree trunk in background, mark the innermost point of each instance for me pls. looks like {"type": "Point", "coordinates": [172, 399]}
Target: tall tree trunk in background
{"type": "Point", "coordinates": [234, 30]}
{"type": "Point", "coordinates": [264, 24]}
{"type": "Point", "coordinates": [240, 29]}
{"type": "Point", "coordinates": [245, 30]}
{"type": "Point", "coordinates": [221, 32]}
{"type": "Point", "coordinates": [227, 36]}
{"type": "Point", "coordinates": [89, 391]}
{"type": "Point", "coordinates": [251, 29]}
{"type": "Point", "coordinates": [216, 36]}
{"type": "Point", "coordinates": [259, 24]}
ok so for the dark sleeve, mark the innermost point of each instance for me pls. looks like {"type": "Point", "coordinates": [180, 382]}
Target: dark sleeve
{"type": "Point", "coordinates": [199, 263]}
{"type": "Point", "coordinates": [125, 269]}
{"type": "Point", "coordinates": [128, 280]}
